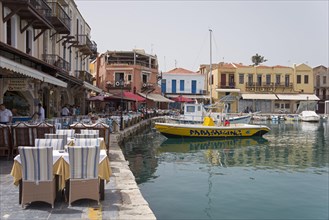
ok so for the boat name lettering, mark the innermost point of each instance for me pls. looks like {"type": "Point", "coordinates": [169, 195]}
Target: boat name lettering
{"type": "Point", "coordinates": [215, 132]}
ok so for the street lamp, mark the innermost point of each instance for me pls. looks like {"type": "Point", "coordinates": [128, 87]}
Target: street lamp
{"type": "Point", "coordinates": [121, 103]}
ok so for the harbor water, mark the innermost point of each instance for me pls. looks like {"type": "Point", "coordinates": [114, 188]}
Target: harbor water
{"type": "Point", "coordinates": [283, 175]}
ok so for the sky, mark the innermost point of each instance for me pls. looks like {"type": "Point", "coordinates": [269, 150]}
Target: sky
{"type": "Point", "coordinates": [177, 32]}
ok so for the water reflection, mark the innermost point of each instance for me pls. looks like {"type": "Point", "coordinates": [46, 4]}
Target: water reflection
{"type": "Point", "coordinates": [288, 146]}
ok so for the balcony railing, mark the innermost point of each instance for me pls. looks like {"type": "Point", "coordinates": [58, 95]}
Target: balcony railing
{"type": "Point", "coordinates": [147, 86]}
{"type": "Point", "coordinates": [59, 18]}
{"type": "Point", "coordinates": [57, 61]}
{"type": "Point", "coordinates": [117, 85]}
{"type": "Point", "coordinates": [36, 12]}
{"type": "Point", "coordinates": [84, 44]}
{"type": "Point", "coordinates": [84, 75]}
{"type": "Point", "coordinates": [230, 85]}
{"type": "Point", "coordinates": [268, 85]}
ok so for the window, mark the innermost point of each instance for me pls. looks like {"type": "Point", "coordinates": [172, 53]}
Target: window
{"type": "Point", "coordinates": [299, 79]}
{"type": "Point", "coordinates": [119, 78]}
{"type": "Point", "coordinates": [324, 80]}
{"type": "Point", "coordinates": [268, 79]}
{"type": "Point", "coordinates": [190, 109]}
{"type": "Point", "coordinates": [287, 106]}
{"type": "Point", "coordinates": [144, 78]}
{"type": "Point", "coordinates": [259, 80]}
{"type": "Point", "coordinates": [250, 80]}
{"type": "Point", "coordinates": [28, 42]}
{"type": "Point", "coordinates": [241, 78]}
{"type": "Point", "coordinates": [306, 79]}
{"type": "Point", "coordinates": [8, 31]}
{"type": "Point", "coordinates": [318, 80]}
{"type": "Point", "coordinates": [287, 80]}
{"type": "Point", "coordinates": [181, 84]}
{"type": "Point", "coordinates": [277, 105]}
{"type": "Point", "coordinates": [278, 79]}
{"type": "Point", "coordinates": [129, 77]}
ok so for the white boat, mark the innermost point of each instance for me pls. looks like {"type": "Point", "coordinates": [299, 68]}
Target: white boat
{"type": "Point", "coordinates": [195, 114]}
{"type": "Point", "coordinates": [309, 116]}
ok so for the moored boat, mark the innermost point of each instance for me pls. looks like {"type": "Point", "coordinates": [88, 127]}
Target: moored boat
{"type": "Point", "coordinates": [209, 130]}
{"type": "Point", "coordinates": [309, 116]}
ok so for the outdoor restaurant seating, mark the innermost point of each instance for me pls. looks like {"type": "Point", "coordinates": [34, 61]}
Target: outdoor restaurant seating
{"type": "Point", "coordinates": [86, 135]}
{"type": "Point", "coordinates": [102, 128]}
{"type": "Point", "coordinates": [68, 132]}
{"type": "Point", "coordinates": [83, 182]}
{"type": "Point", "coordinates": [56, 144]}
{"type": "Point", "coordinates": [38, 182]}
{"type": "Point", "coordinates": [88, 131]}
{"type": "Point", "coordinates": [86, 142]}
{"type": "Point", "coordinates": [23, 135]}
{"type": "Point", "coordinates": [43, 128]}
{"type": "Point", "coordinates": [57, 136]}
{"type": "Point", "coordinates": [5, 140]}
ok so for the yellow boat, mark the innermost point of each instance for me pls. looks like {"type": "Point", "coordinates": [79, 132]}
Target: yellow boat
{"type": "Point", "coordinates": [209, 130]}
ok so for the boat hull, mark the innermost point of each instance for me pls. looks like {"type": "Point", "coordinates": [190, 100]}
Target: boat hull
{"type": "Point", "coordinates": [199, 131]}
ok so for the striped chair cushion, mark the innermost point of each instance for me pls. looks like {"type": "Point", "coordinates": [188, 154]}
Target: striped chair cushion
{"type": "Point", "coordinates": [37, 163]}
{"type": "Point", "coordinates": [84, 162]}
{"type": "Point", "coordinates": [87, 131]}
{"type": "Point", "coordinates": [86, 135]}
{"type": "Point", "coordinates": [57, 136]}
{"type": "Point", "coordinates": [56, 144]}
{"type": "Point", "coordinates": [68, 132]}
{"type": "Point", "coordinates": [86, 142]}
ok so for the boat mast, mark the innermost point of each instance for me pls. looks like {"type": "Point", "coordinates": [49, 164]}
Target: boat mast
{"type": "Point", "coordinates": [210, 69]}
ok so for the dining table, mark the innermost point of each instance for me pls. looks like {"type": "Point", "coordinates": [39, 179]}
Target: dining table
{"type": "Point", "coordinates": [61, 170]}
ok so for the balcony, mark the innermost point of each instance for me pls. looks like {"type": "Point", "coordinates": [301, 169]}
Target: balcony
{"type": "Point", "coordinates": [35, 12]}
{"type": "Point", "coordinates": [59, 18]}
{"type": "Point", "coordinates": [84, 45]}
{"type": "Point", "coordinates": [265, 87]}
{"type": "Point", "coordinates": [116, 85]}
{"type": "Point", "coordinates": [147, 87]}
{"type": "Point", "coordinates": [57, 61]}
{"type": "Point", "coordinates": [84, 75]}
{"type": "Point", "coordinates": [230, 85]}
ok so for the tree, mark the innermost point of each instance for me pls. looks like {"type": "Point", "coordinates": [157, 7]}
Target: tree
{"type": "Point", "coordinates": [257, 59]}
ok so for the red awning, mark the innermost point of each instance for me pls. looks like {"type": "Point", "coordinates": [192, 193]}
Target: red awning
{"type": "Point", "coordinates": [182, 99]}
{"type": "Point", "coordinates": [133, 96]}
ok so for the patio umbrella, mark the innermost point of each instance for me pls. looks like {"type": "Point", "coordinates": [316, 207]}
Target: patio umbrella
{"type": "Point", "coordinates": [182, 99]}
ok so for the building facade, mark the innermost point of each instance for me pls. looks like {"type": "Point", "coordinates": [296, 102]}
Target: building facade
{"type": "Point", "coordinates": [130, 71]}
{"type": "Point", "coordinates": [321, 86]}
{"type": "Point", "coordinates": [275, 89]}
{"type": "Point", "coordinates": [45, 48]}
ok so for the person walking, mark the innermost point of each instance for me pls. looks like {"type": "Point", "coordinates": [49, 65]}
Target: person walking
{"type": "Point", "coordinates": [41, 113]}
{"type": "Point", "coordinates": [65, 111]}
{"type": "Point", "coordinates": [6, 115]}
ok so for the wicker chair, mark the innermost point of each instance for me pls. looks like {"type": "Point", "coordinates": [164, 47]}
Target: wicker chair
{"type": "Point", "coordinates": [44, 128]}
{"type": "Point", "coordinates": [38, 182]}
{"type": "Point", "coordinates": [5, 140]}
{"type": "Point", "coordinates": [23, 135]}
{"type": "Point", "coordinates": [83, 182]}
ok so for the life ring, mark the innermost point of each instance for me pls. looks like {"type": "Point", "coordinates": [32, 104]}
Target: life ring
{"type": "Point", "coordinates": [117, 83]}
{"type": "Point", "coordinates": [144, 85]}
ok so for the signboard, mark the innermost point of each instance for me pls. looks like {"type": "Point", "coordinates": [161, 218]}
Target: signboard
{"type": "Point", "coordinates": [20, 85]}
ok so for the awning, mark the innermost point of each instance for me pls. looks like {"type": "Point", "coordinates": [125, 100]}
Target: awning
{"type": "Point", "coordinates": [30, 72]}
{"type": "Point", "coordinates": [194, 96]}
{"type": "Point", "coordinates": [298, 97]}
{"type": "Point", "coordinates": [134, 96]}
{"type": "Point", "coordinates": [155, 97]}
{"type": "Point", "coordinates": [228, 90]}
{"type": "Point", "coordinates": [92, 87]}
{"type": "Point", "coordinates": [259, 96]}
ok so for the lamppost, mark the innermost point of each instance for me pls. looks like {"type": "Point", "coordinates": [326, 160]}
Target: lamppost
{"type": "Point", "coordinates": [121, 104]}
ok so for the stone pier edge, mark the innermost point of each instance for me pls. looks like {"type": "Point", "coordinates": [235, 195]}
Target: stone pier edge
{"type": "Point", "coordinates": [123, 199]}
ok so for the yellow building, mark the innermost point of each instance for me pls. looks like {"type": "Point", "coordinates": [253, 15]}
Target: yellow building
{"type": "Point", "coordinates": [269, 89]}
